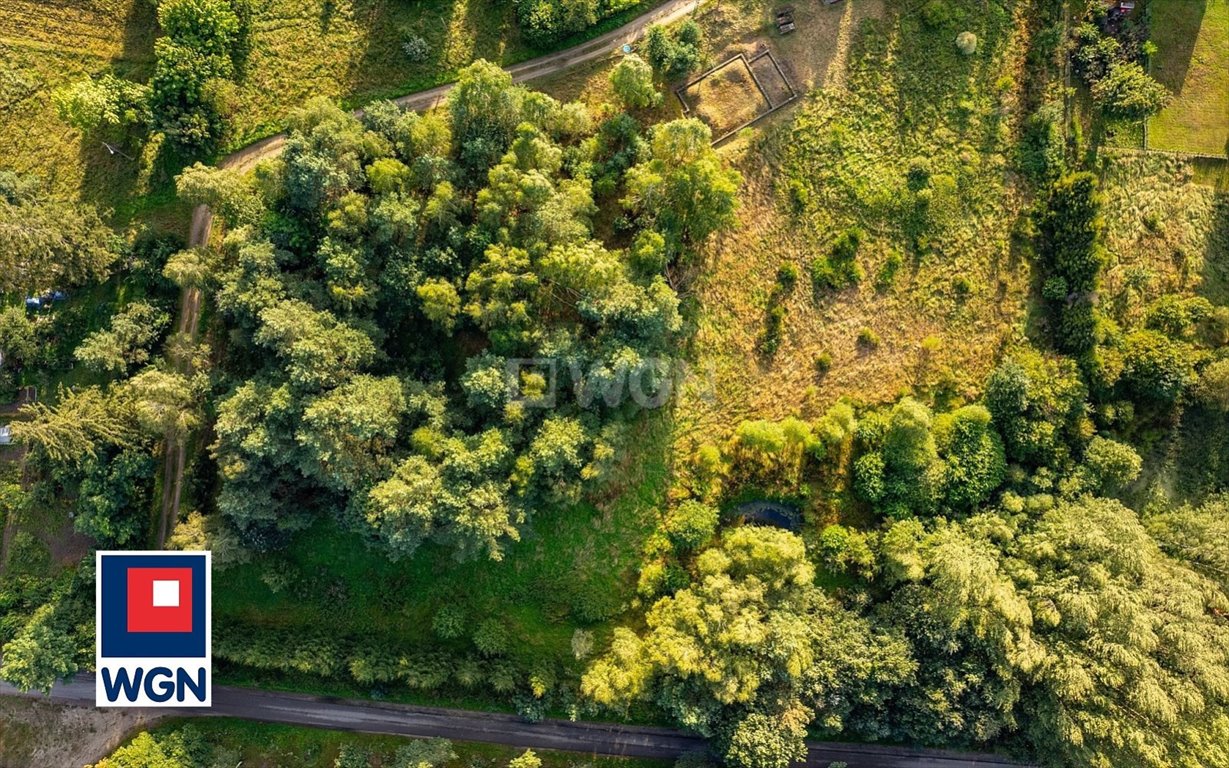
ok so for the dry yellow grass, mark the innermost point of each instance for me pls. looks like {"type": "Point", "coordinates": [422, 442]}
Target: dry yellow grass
{"type": "Point", "coordinates": [726, 98]}
{"type": "Point", "coordinates": [1165, 233]}
{"type": "Point", "coordinates": [733, 287]}
{"type": "Point", "coordinates": [732, 381]}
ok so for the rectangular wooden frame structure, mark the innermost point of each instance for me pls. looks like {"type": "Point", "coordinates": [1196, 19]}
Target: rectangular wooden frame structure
{"type": "Point", "coordinates": [793, 94]}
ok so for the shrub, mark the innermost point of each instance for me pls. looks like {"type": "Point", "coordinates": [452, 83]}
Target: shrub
{"type": "Point", "coordinates": [1129, 92]}
{"type": "Point", "coordinates": [962, 286]}
{"type": "Point", "coordinates": [936, 14]}
{"type": "Point", "coordinates": [787, 277]}
{"type": "Point", "coordinates": [448, 622]}
{"type": "Point", "coordinates": [1094, 52]}
{"type": "Point", "coordinates": [966, 43]}
{"type": "Point", "coordinates": [109, 104]}
{"type": "Point", "coordinates": [839, 268]}
{"type": "Point", "coordinates": [868, 477]}
{"type": "Point", "coordinates": [823, 363]}
{"type": "Point", "coordinates": [424, 753]}
{"type": "Point", "coordinates": [867, 338]}
{"type": "Point", "coordinates": [546, 21]}
{"type": "Point", "coordinates": [582, 644]}
{"type": "Point", "coordinates": [887, 273]}
{"type": "Point", "coordinates": [845, 550]}
{"type": "Point", "coordinates": [416, 48]}
{"type": "Point", "coordinates": [1213, 387]}
{"type": "Point", "coordinates": [691, 524]}
{"type": "Point", "coordinates": [492, 638]}
{"type": "Point", "coordinates": [1112, 465]}
{"type": "Point", "coordinates": [1043, 148]}
{"type": "Point", "coordinates": [774, 329]}
{"type": "Point", "coordinates": [352, 756]}
{"type": "Point", "coordinates": [1155, 369]}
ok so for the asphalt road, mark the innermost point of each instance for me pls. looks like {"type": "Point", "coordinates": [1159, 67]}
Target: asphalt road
{"type": "Point", "coordinates": [497, 728]}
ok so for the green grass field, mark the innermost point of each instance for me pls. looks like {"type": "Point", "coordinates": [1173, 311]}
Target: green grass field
{"type": "Point", "coordinates": [1192, 38]}
{"type": "Point", "coordinates": [574, 567]}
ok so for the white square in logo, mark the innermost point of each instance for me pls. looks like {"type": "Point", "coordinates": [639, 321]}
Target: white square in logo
{"type": "Point", "coordinates": [166, 594]}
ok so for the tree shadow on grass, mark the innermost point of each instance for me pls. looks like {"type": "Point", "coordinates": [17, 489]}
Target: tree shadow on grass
{"type": "Point", "coordinates": [1175, 26]}
{"type": "Point", "coordinates": [112, 177]}
{"type": "Point", "coordinates": [456, 32]}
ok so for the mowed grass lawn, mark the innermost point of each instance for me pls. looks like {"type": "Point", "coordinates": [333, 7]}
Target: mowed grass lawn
{"type": "Point", "coordinates": [1192, 38]}
{"type": "Point", "coordinates": [574, 567]}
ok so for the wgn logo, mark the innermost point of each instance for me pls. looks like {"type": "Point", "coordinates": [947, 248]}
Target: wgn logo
{"type": "Point", "coordinates": [153, 626]}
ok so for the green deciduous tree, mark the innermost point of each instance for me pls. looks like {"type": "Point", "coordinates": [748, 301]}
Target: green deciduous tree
{"type": "Point", "coordinates": [1071, 255]}
{"type": "Point", "coordinates": [127, 341]}
{"type": "Point", "coordinates": [676, 53]}
{"type": "Point", "coordinates": [1137, 669]}
{"type": "Point", "coordinates": [752, 641]}
{"type": "Point", "coordinates": [1128, 91]}
{"type": "Point", "coordinates": [108, 103]}
{"type": "Point", "coordinates": [227, 192]}
{"type": "Point", "coordinates": [351, 430]}
{"type": "Point", "coordinates": [1155, 369]}
{"type": "Point", "coordinates": [691, 524]}
{"type": "Point", "coordinates": [1038, 405]}
{"type": "Point", "coordinates": [47, 243]}
{"type": "Point", "coordinates": [485, 108]}
{"type": "Point", "coordinates": [632, 81]}
{"type": "Point", "coordinates": [683, 190]}
{"type": "Point", "coordinates": [79, 425]}
{"type": "Point", "coordinates": [41, 653]}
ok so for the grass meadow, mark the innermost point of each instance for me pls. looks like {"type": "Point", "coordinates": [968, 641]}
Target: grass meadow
{"type": "Point", "coordinates": [575, 567]}
{"type": "Point", "coordinates": [888, 89]}
{"type": "Point", "coordinates": [1192, 38]}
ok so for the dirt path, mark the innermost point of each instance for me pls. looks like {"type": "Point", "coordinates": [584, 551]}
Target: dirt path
{"type": "Point", "coordinates": [246, 158]}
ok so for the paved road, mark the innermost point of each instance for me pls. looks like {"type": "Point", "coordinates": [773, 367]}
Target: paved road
{"type": "Point", "coordinates": [495, 728]}
{"type": "Point", "coordinates": [245, 158]}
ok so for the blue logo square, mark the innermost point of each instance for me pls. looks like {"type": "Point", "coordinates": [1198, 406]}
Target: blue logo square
{"type": "Point", "coordinates": [116, 641]}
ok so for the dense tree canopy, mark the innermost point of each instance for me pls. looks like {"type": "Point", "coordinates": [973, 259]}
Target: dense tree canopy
{"type": "Point", "coordinates": [47, 243]}
{"type": "Point", "coordinates": [378, 242]}
{"type": "Point", "coordinates": [750, 652]}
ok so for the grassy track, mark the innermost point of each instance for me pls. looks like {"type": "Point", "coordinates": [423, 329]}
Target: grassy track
{"type": "Point", "coordinates": [1192, 38]}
